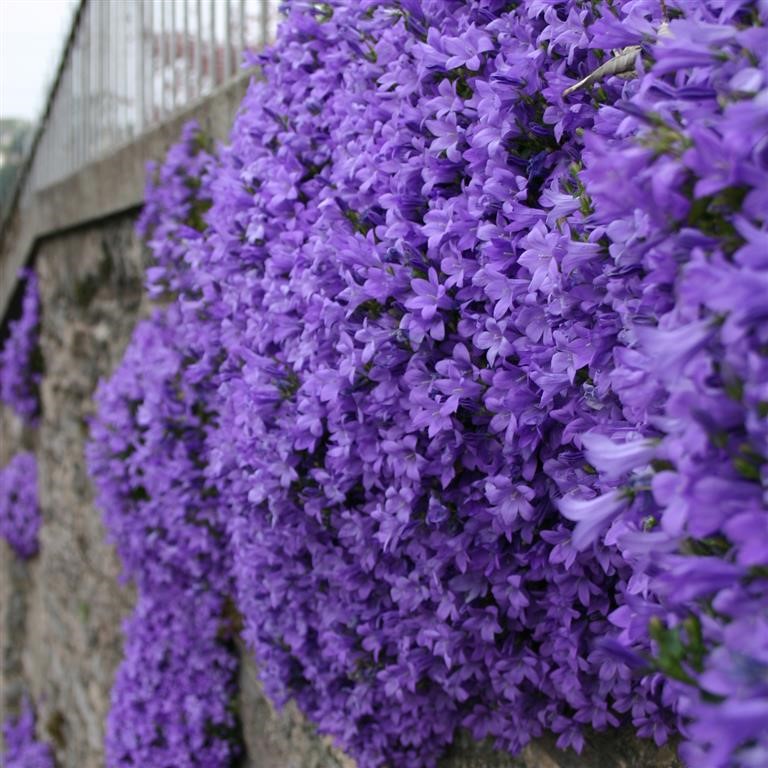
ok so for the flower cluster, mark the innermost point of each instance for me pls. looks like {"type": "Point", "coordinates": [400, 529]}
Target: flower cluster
{"type": "Point", "coordinates": [407, 367]}
{"type": "Point", "coordinates": [173, 694]}
{"type": "Point", "coordinates": [691, 373]}
{"type": "Point", "coordinates": [172, 700]}
{"type": "Point", "coordinates": [478, 352]}
{"type": "Point", "coordinates": [19, 512]}
{"type": "Point", "coordinates": [22, 749]}
{"type": "Point", "coordinates": [20, 367]}
{"type": "Point", "coordinates": [173, 215]}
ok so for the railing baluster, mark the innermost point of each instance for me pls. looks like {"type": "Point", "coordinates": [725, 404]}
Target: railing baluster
{"type": "Point", "coordinates": [198, 48]}
{"type": "Point", "coordinates": [173, 58]}
{"type": "Point", "coordinates": [214, 56]}
{"type": "Point", "coordinates": [108, 74]}
{"type": "Point", "coordinates": [227, 40]}
{"type": "Point", "coordinates": [264, 22]}
{"type": "Point", "coordinates": [163, 60]}
{"type": "Point", "coordinates": [99, 62]}
{"type": "Point", "coordinates": [241, 22]}
{"type": "Point", "coordinates": [185, 60]}
{"type": "Point", "coordinates": [115, 35]}
{"type": "Point", "coordinates": [140, 73]}
{"type": "Point", "coordinates": [85, 81]}
{"type": "Point", "coordinates": [66, 110]}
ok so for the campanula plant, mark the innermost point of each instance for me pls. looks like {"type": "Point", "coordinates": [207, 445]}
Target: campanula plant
{"type": "Point", "coordinates": [20, 517]}
{"type": "Point", "coordinates": [22, 747]}
{"type": "Point", "coordinates": [471, 309]}
{"type": "Point", "coordinates": [20, 361]}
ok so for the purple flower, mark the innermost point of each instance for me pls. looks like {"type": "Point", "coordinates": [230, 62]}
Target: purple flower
{"type": "Point", "coordinates": [616, 459]}
{"type": "Point", "coordinates": [672, 349]}
{"type": "Point", "coordinates": [430, 296]}
{"type": "Point", "coordinates": [19, 357]}
{"type": "Point", "coordinates": [19, 512]}
{"type": "Point", "coordinates": [465, 49]}
{"type": "Point", "coordinates": [686, 578]}
{"type": "Point", "coordinates": [493, 340]}
{"type": "Point", "coordinates": [592, 516]}
{"type": "Point", "coordinates": [22, 748]}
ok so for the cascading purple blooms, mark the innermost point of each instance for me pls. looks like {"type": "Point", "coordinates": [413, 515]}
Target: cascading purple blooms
{"type": "Point", "coordinates": [440, 311]}
{"type": "Point", "coordinates": [19, 366]}
{"type": "Point", "coordinates": [392, 421]}
{"type": "Point", "coordinates": [19, 511]}
{"type": "Point", "coordinates": [372, 500]}
{"type": "Point", "coordinates": [692, 371]}
{"type": "Point", "coordinates": [147, 458]}
{"type": "Point", "coordinates": [172, 701]}
{"type": "Point", "coordinates": [22, 749]}
{"type": "Point", "coordinates": [176, 199]}
{"type": "Point", "coordinates": [173, 694]}
{"type": "Point", "coordinates": [173, 697]}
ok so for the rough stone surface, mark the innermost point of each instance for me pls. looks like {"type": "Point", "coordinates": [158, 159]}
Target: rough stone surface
{"type": "Point", "coordinates": [602, 750]}
{"type": "Point", "coordinates": [15, 584]}
{"type": "Point", "coordinates": [61, 613]}
{"type": "Point", "coordinates": [279, 739]}
{"type": "Point", "coordinates": [63, 609]}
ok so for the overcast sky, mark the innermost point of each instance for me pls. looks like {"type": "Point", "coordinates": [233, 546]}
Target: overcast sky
{"type": "Point", "coordinates": [32, 34]}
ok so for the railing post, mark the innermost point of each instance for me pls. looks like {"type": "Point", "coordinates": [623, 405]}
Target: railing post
{"type": "Point", "coordinates": [227, 40]}
{"type": "Point", "coordinates": [173, 58]}
{"type": "Point", "coordinates": [264, 22]}
{"type": "Point", "coordinates": [241, 41]}
{"type": "Point", "coordinates": [185, 49]}
{"type": "Point", "coordinates": [214, 52]}
{"type": "Point", "coordinates": [198, 48]}
{"type": "Point", "coordinates": [101, 101]}
{"type": "Point", "coordinates": [163, 61]}
{"type": "Point", "coordinates": [140, 74]}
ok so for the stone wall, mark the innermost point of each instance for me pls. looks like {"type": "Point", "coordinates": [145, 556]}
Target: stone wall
{"type": "Point", "coordinates": [64, 618]}
{"type": "Point", "coordinates": [61, 612]}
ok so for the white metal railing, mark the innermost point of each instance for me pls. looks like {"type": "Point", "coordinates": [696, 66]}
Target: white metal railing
{"type": "Point", "coordinates": [130, 65]}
